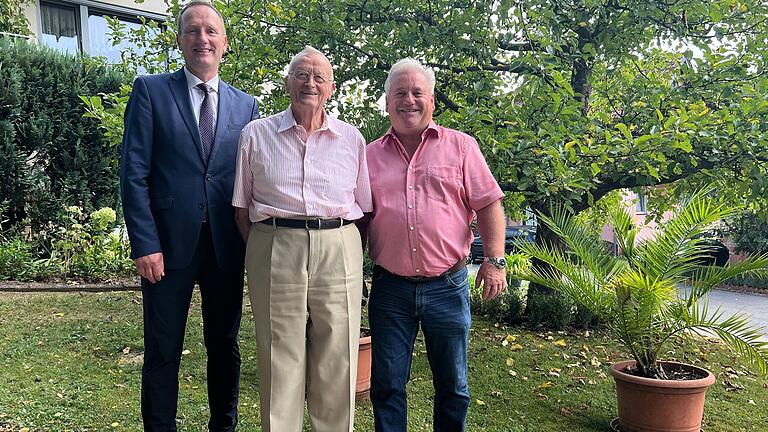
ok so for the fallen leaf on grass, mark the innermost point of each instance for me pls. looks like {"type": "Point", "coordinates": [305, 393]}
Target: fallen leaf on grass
{"type": "Point", "coordinates": [126, 350]}
{"type": "Point", "coordinates": [59, 314]}
{"type": "Point", "coordinates": [565, 411]}
{"type": "Point", "coordinates": [515, 347]}
{"type": "Point", "coordinates": [510, 361]}
{"type": "Point", "coordinates": [751, 402]}
{"type": "Point", "coordinates": [595, 362]}
{"type": "Point", "coordinates": [480, 402]}
{"type": "Point", "coordinates": [729, 386]}
{"type": "Point", "coordinates": [545, 385]}
{"type": "Point", "coordinates": [185, 352]}
{"type": "Point", "coordinates": [560, 343]}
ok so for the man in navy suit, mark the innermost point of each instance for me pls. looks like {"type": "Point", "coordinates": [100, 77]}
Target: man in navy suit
{"type": "Point", "coordinates": [176, 178]}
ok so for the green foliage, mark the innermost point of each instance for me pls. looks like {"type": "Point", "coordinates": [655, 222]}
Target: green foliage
{"type": "Point", "coordinates": [87, 248]}
{"type": "Point", "coordinates": [509, 306]}
{"type": "Point", "coordinates": [50, 155]}
{"type": "Point", "coordinates": [758, 281]}
{"type": "Point", "coordinates": [12, 19]}
{"type": "Point", "coordinates": [568, 102]}
{"type": "Point", "coordinates": [549, 309]}
{"type": "Point", "coordinates": [83, 247]}
{"type": "Point", "coordinates": [748, 230]}
{"type": "Point", "coordinates": [16, 260]}
{"type": "Point", "coordinates": [636, 294]}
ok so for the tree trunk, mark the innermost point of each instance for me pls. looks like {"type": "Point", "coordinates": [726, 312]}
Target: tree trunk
{"type": "Point", "coordinates": [544, 236]}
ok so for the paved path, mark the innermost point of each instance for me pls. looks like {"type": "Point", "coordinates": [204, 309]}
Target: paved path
{"type": "Point", "coordinates": [754, 305]}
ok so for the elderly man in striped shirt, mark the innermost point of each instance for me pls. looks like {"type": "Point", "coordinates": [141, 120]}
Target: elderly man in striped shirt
{"type": "Point", "coordinates": [301, 181]}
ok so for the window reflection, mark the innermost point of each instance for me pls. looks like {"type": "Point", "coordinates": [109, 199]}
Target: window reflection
{"type": "Point", "coordinates": [102, 43]}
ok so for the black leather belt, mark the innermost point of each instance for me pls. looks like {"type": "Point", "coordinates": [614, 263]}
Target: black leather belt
{"type": "Point", "coordinates": [318, 223]}
{"type": "Point", "coordinates": [456, 267]}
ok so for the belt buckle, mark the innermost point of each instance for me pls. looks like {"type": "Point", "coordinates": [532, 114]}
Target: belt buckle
{"type": "Point", "coordinates": [307, 221]}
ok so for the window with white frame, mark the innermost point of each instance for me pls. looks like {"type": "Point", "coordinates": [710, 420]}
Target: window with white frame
{"type": "Point", "coordinates": [71, 27]}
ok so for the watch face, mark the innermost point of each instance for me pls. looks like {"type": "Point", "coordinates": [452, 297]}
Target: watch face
{"type": "Point", "coordinates": [499, 263]}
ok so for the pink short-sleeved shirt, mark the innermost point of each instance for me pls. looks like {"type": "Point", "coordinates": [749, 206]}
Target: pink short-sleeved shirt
{"type": "Point", "coordinates": [281, 172]}
{"type": "Point", "coordinates": [423, 208]}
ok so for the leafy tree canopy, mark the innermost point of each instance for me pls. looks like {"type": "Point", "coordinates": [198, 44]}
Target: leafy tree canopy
{"type": "Point", "coordinates": [12, 19]}
{"type": "Point", "coordinates": [569, 99]}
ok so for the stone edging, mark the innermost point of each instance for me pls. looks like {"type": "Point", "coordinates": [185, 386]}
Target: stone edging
{"type": "Point", "coordinates": [31, 287]}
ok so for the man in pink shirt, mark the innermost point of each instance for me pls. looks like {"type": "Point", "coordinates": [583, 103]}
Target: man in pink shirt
{"type": "Point", "coordinates": [426, 181]}
{"type": "Point", "coordinates": [301, 181]}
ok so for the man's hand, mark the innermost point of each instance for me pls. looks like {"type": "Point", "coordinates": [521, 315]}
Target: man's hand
{"type": "Point", "coordinates": [492, 280]}
{"type": "Point", "coordinates": [151, 266]}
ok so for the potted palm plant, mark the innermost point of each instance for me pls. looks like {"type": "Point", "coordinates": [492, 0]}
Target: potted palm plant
{"type": "Point", "coordinates": [638, 296]}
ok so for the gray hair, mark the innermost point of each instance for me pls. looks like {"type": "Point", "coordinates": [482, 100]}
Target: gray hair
{"type": "Point", "coordinates": [191, 4]}
{"type": "Point", "coordinates": [307, 51]}
{"type": "Point", "coordinates": [410, 65]}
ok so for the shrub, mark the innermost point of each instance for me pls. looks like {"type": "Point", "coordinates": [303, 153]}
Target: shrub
{"type": "Point", "coordinates": [87, 248]}
{"type": "Point", "coordinates": [16, 260]}
{"type": "Point", "coordinates": [50, 154]}
{"type": "Point", "coordinates": [550, 310]}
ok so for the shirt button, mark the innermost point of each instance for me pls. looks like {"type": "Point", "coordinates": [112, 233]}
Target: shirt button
{"type": "Point", "coordinates": [410, 187]}
{"type": "Point", "coordinates": [411, 228]}
{"type": "Point", "coordinates": [410, 168]}
{"type": "Point", "coordinates": [410, 206]}
{"type": "Point", "coordinates": [414, 249]}
{"type": "Point", "coordinates": [418, 270]}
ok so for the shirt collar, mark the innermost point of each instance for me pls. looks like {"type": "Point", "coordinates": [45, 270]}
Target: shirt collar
{"type": "Point", "coordinates": [288, 121]}
{"type": "Point", "coordinates": [193, 81]}
{"type": "Point", "coordinates": [432, 128]}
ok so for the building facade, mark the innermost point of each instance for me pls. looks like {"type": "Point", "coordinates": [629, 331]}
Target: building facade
{"type": "Point", "coordinates": [74, 26]}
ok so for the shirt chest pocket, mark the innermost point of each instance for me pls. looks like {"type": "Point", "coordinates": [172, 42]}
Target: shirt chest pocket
{"type": "Point", "coordinates": [443, 183]}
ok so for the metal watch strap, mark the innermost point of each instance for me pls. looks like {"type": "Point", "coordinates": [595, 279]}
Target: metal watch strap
{"type": "Point", "coordinates": [498, 262]}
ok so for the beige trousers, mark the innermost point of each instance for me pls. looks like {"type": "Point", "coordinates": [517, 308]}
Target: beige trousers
{"type": "Point", "coordinates": [305, 288]}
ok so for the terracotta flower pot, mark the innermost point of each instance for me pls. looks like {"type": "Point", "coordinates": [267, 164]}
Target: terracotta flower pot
{"type": "Point", "coordinates": [653, 405]}
{"type": "Point", "coordinates": [363, 387]}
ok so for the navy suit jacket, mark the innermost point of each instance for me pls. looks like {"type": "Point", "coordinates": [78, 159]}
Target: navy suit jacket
{"type": "Point", "coordinates": [165, 182]}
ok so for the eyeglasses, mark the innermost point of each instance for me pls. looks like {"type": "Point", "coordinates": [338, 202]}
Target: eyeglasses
{"type": "Point", "coordinates": [305, 76]}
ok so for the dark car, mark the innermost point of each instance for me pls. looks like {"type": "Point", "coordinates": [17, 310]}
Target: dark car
{"type": "Point", "coordinates": [514, 235]}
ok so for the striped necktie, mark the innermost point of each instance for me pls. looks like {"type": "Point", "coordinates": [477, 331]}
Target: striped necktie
{"type": "Point", "coordinates": [205, 124]}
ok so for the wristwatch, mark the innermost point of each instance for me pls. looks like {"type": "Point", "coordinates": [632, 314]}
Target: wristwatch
{"type": "Point", "coordinates": [498, 262]}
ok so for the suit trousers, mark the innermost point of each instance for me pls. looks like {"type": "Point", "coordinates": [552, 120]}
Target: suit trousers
{"type": "Point", "coordinates": [166, 306]}
{"type": "Point", "coordinates": [305, 288]}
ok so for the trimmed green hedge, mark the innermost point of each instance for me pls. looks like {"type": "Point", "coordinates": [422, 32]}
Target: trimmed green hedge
{"type": "Point", "coordinates": [50, 155]}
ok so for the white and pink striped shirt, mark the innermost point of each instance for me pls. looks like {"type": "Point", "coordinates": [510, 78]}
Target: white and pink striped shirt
{"type": "Point", "coordinates": [279, 174]}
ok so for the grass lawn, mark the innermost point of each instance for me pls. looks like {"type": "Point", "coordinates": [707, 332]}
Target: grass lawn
{"type": "Point", "coordinates": [72, 362]}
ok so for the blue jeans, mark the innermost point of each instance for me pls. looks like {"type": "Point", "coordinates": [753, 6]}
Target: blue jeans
{"type": "Point", "coordinates": [397, 308]}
